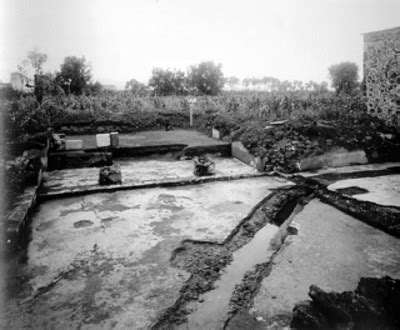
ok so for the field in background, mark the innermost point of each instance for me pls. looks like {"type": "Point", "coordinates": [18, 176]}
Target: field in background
{"type": "Point", "coordinates": [319, 121]}
{"type": "Point", "coordinates": [24, 115]}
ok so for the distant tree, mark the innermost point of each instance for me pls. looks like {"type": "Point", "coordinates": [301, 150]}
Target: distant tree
{"type": "Point", "coordinates": [285, 86]}
{"type": "Point", "coordinates": [34, 60]}
{"type": "Point", "coordinates": [31, 68]}
{"type": "Point", "coordinates": [344, 77]}
{"type": "Point", "coordinates": [323, 87]}
{"type": "Point", "coordinates": [37, 59]}
{"type": "Point", "coordinates": [232, 82]}
{"type": "Point", "coordinates": [247, 82]}
{"type": "Point", "coordinates": [75, 75]}
{"type": "Point", "coordinates": [206, 78]}
{"type": "Point", "coordinates": [136, 87]}
{"type": "Point", "coordinates": [167, 82]}
{"type": "Point", "coordinates": [298, 85]}
{"type": "Point", "coordinates": [93, 88]}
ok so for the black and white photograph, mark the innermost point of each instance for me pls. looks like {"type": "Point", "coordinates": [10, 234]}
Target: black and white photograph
{"type": "Point", "coordinates": [200, 165]}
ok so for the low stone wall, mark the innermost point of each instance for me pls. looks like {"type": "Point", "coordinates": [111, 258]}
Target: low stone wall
{"type": "Point", "coordinates": [340, 157]}
{"type": "Point", "coordinates": [222, 149]}
{"type": "Point", "coordinates": [17, 219]}
{"type": "Point", "coordinates": [77, 159]}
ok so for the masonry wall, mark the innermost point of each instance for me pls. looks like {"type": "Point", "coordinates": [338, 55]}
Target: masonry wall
{"type": "Point", "coordinates": [382, 74]}
{"type": "Point", "coordinates": [18, 81]}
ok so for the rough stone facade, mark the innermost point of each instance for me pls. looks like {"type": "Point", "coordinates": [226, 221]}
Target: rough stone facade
{"type": "Point", "coordinates": [18, 81]}
{"type": "Point", "coordinates": [382, 74]}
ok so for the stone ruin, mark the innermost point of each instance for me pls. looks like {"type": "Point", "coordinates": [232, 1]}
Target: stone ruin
{"type": "Point", "coordinates": [110, 175]}
{"type": "Point", "coordinates": [382, 74]}
{"type": "Point", "coordinates": [203, 166]}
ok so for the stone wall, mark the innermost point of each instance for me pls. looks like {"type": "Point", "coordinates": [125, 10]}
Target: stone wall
{"type": "Point", "coordinates": [382, 74]}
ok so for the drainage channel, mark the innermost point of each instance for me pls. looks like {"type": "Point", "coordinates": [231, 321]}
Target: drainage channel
{"type": "Point", "coordinates": [212, 308]}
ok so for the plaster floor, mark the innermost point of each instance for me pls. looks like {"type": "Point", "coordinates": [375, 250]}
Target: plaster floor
{"type": "Point", "coordinates": [351, 169]}
{"type": "Point", "coordinates": [103, 260]}
{"type": "Point", "coordinates": [137, 172]}
{"type": "Point", "coordinates": [331, 250]}
{"type": "Point", "coordinates": [383, 190]}
{"type": "Point", "coordinates": [152, 138]}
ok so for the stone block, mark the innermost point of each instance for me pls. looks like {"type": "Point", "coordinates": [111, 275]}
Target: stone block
{"type": "Point", "coordinates": [341, 157]}
{"type": "Point", "coordinates": [103, 140]}
{"type": "Point", "coordinates": [241, 153]}
{"type": "Point", "coordinates": [73, 144]}
{"type": "Point", "coordinates": [348, 158]}
{"type": "Point", "coordinates": [114, 139]}
{"type": "Point", "coordinates": [278, 122]}
{"type": "Point", "coordinates": [110, 175]}
{"type": "Point", "coordinates": [215, 134]}
{"type": "Point", "coordinates": [203, 166]}
{"type": "Point", "coordinates": [259, 164]}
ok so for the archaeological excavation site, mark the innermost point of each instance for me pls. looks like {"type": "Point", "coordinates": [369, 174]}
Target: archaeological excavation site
{"type": "Point", "coordinates": [177, 229]}
{"type": "Point", "coordinates": [199, 200]}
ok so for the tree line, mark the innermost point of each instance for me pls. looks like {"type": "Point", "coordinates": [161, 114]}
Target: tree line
{"type": "Point", "coordinates": [206, 78]}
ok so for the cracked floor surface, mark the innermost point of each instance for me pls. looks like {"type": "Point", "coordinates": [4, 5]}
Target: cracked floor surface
{"type": "Point", "coordinates": [331, 250]}
{"type": "Point", "coordinates": [103, 260]}
{"type": "Point", "coordinates": [142, 171]}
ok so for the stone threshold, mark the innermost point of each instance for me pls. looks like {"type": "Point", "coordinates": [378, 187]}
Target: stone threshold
{"type": "Point", "coordinates": [91, 189]}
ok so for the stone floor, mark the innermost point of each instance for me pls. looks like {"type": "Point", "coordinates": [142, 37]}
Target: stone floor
{"type": "Point", "coordinates": [139, 172]}
{"type": "Point", "coordinates": [102, 260]}
{"type": "Point", "coordinates": [383, 190]}
{"type": "Point", "coordinates": [331, 250]}
{"type": "Point", "coordinates": [151, 138]}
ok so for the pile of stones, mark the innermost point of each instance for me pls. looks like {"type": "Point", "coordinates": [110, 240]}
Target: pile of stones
{"type": "Point", "coordinates": [373, 305]}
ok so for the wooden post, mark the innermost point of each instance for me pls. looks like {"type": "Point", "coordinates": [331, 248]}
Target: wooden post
{"type": "Point", "coordinates": [192, 101]}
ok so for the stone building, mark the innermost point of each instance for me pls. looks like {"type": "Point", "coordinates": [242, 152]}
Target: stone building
{"type": "Point", "coordinates": [382, 74]}
{"type": "Point", "coordinates": [19, 82]}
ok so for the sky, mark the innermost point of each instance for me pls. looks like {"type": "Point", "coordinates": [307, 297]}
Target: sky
{"type": "Point", "coordinates": [125, 39]}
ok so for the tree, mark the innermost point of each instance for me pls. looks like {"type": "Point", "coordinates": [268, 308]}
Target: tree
{"type": "Point", "coordinates": [37, 59]}
{"type": "Point", "coordinates": [344, 77]}
{"type": "Point", "coordinates": [232, 82]}
{"type": "Point", "coordinates": [34, 60]}
{"type": "Point", "coordinates": [74, 75]}
{"type": "Point", "coordinates": [206, 78]}
{"type": "Point", "coordinates": [94, 89]}
{"type": "Point", "coordinates": [137, 88]}
{"type": "Point", "coordinates": [167, 82]}
{"type": "Point", "coordinates": [42, 83]}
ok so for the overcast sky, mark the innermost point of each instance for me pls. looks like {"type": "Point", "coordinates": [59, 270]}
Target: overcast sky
{"type": "Point", "coordinates": [124, 39]}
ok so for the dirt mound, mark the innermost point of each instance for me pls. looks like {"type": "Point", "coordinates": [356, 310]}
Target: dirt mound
{"type": "Point", "coordinates": [282, 145]}
{"type": "Point", "coordinates": [373, 305]}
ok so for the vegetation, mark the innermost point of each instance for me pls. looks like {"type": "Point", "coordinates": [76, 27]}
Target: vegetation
{"type": "Point", "coordinates": [206, 79]}
{"type": "Point", "coordinates": [344, 77]}
{"type": "Point", "coordinates": [167, 82]}
{"type": "Point", "coordinates": [25, 115]}
{"type": "Point", "coordinates": [84, 108]}
{"type": "Point", "coordinates": [137, 88]}
{"type": "Point", "coordinates": [75, 75]}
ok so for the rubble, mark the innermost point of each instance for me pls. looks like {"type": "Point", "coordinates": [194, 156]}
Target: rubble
{"type": "Point", "coordinates": [110, 175]}
{"type": "Point", "coordinates": [203, 166]}
{"type": "Point", "coordinates": [373, 305]}
{"type": "Point", "coordinates": [281, 147]}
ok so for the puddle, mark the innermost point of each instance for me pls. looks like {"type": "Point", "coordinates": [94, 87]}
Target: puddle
{"type": "Point", "coordinates": [83, 223]}
{"type": "Point", "coordinates": [353, 190]}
